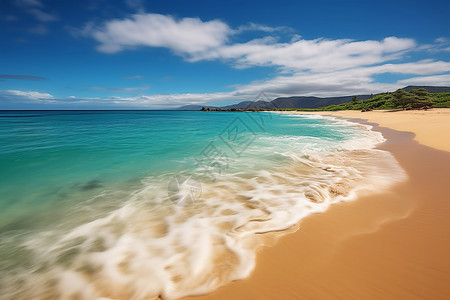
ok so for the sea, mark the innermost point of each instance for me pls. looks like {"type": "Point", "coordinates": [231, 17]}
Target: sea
{"type": "Point", "coordinates": [165, 204]}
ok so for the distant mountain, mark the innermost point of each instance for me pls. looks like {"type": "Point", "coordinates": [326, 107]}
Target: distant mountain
{"type": "Point", "coordinates": [294, 102]}
{"type": "Point", "coordinates": [283, 102]}
{"type": "Point", "coordinates": [251, 104]}
{"type": "Point", "coordinates": [306, 101]}
{"type": "Point", "coordinates": [240, 105]}
{"type": "Point", "coordinates": [430, 89]}
{"type": "Point", "coordinates": [189, 107]}
{"type": "Point", "coordinates": [313, 102]}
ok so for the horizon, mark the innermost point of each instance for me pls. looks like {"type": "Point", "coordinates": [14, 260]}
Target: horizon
{"type": "Point", "coordinates": [135, 55]}
{"type": "Point", "coordinates": [180, 108]}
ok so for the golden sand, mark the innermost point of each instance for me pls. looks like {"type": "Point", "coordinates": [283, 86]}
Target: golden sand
{"type": "Point", "coordinates": [390, 245]}
{"type": "Point", "coordinates": [431, 127]}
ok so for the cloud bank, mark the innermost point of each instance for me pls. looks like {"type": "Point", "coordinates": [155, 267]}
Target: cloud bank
{"type": "Point", "coordinates": [320, 67]}
{"type": "Point", "coordinates": [188, 35]}
{"type": "Point", "coordinates": [198, 40]}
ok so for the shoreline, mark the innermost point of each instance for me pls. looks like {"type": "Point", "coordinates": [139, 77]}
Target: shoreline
{"type": "Point", "coordinates": [390, 245]}
{"type": "Point", "coordinates": [430, 127]}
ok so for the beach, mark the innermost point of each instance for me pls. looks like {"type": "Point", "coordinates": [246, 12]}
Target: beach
{"type": "Point", "coordinates": [390, 244]}
{"type": "Point", "coordinates": [310, 207]}
{"type": "Point", "coordinates": [431, 128]}
{"type": "Point", "coordinates": [131, 205]}
{"type": "Point", "coordinates": [194, 150]}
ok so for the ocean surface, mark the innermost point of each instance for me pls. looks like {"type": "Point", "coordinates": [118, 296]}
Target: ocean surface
{"type": "Point", "coordinates": [142, 204]}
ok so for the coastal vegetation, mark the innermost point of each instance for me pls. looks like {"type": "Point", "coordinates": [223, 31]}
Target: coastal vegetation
{"type": "Point", "coordinates": [400, 99]}
{"type": "Point", "coordinates": [410, 97]}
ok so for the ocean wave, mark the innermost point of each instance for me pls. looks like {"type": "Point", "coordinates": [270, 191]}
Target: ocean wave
{"type": "Point", "coordinates": [153, 247]}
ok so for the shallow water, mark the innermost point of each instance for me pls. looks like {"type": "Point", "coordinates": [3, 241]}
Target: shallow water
{"type": "Point", "coordinates": [137, 204]}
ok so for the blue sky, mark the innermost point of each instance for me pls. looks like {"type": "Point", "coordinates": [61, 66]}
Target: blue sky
{"type": "Point", "coordinates": [136, 54]}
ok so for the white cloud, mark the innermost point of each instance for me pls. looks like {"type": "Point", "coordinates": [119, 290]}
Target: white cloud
{"type": "Point", "coordinates": [440, 45]}
{"type": "Point", "coordinates": [443, 80]}
{"type": "Point", "coordinates": [442, 40]}
{"type": "Point", "coordinates": [319, 55]}
{"type": "Point", "coordinates": [158, 101]}
{"type": "Point", "coordinates": [320, 67]}
{"type": "Point", "coordinates": [30, 95]}
{"type": "Point", "coordinates": [337, 83]}
{"type": "Point", "coordinates": [323, 85]}
{"type": "Point", "coordinates": [187, 35]}
{"type": "Point", "coordinates": [260, 27]}
{"type": "Point", "coordinates": [197, 40]}
{"type": "Point", "coordinates": [343, 82]}
{"type": "Point", "coordinates": [422, 67]}
{"type": "Point", "coordinates": [175, 100]}
{"type": "Point", "coordinates": [358, 80]}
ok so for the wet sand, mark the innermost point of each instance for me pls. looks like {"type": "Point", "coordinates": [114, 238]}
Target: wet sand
{"type": "Point", "coordinates": [390, 245]}
{"type": "Point", "coordinates": [431, 127]}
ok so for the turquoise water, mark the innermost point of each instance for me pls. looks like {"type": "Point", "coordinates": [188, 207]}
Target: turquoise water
{"type": "Point", "coordinates": [47, 157]}
{"type": "Point", "coordinates": [70, 178]}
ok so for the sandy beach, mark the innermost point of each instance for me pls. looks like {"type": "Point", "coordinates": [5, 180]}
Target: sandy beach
{"type": "Point", "coordinates": [391, 244]}
{"type": "Point", "coordinates": [431, 128]}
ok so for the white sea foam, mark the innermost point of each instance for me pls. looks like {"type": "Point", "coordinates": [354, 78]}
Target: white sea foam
{"type": "Point", "coordinates": [151, 247]}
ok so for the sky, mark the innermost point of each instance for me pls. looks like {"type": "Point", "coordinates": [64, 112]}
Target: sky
{"type": "Point", "coordinates": [136, 54]}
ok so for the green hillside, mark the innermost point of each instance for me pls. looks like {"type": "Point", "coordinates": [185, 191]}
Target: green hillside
{"type": "Point", "coordinates": [399, 99]}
